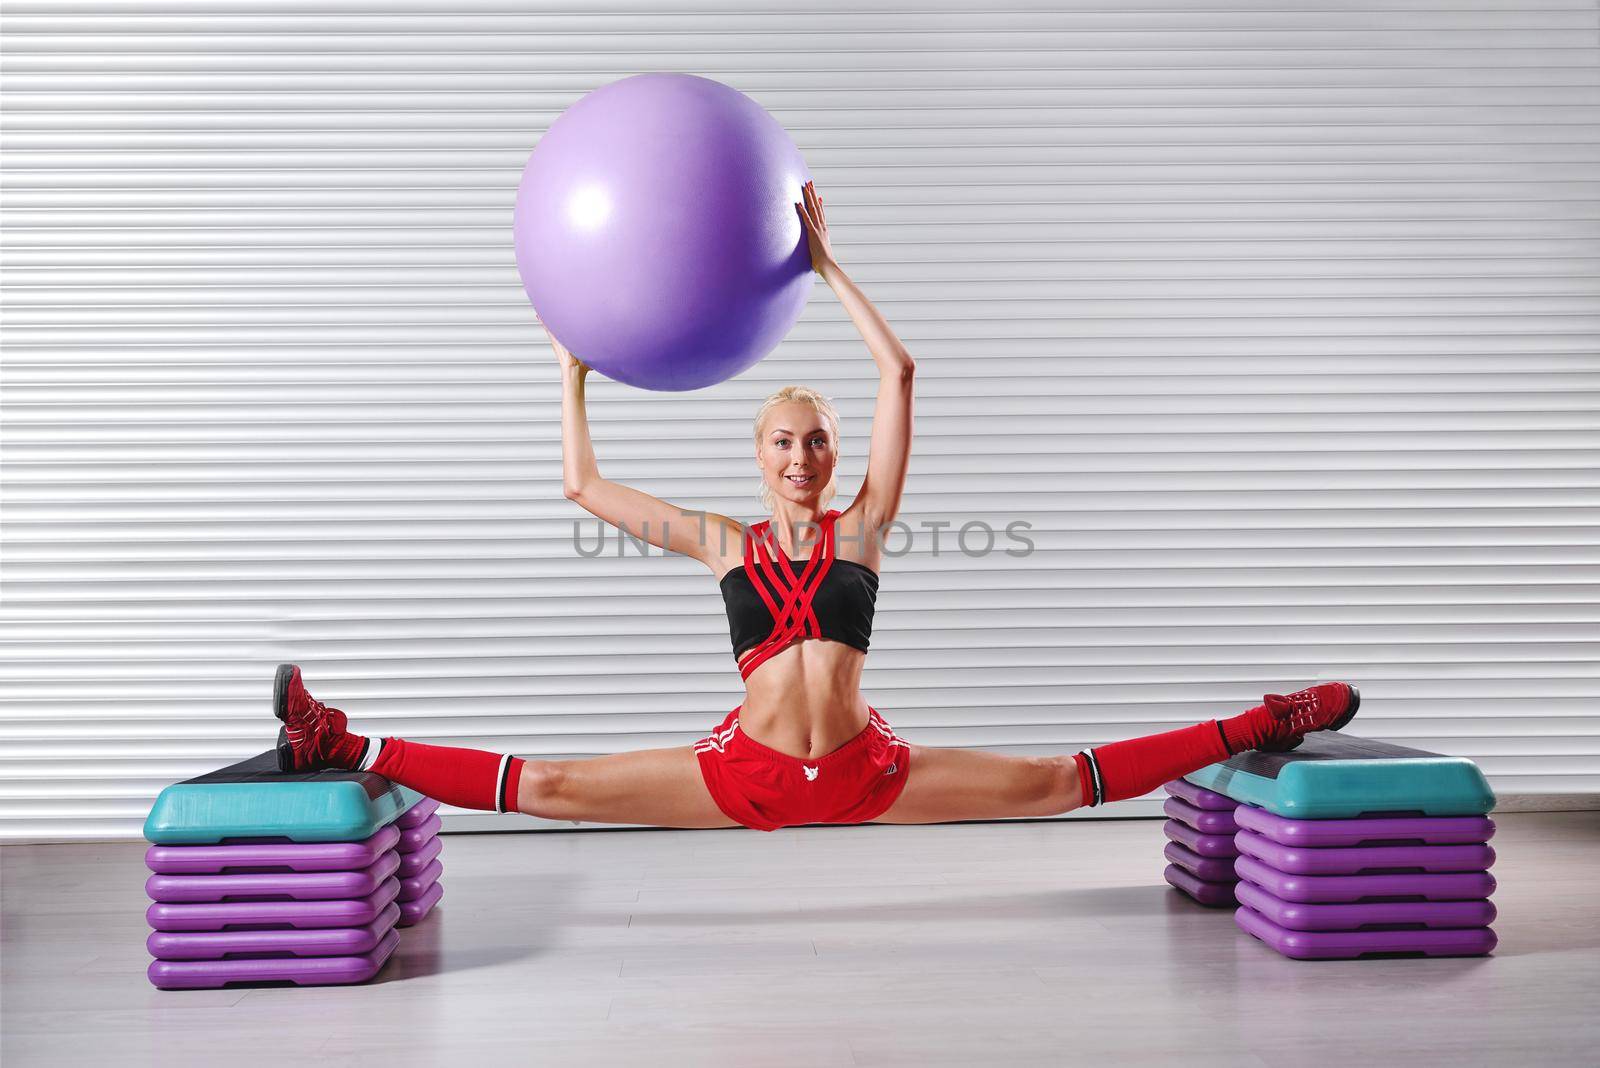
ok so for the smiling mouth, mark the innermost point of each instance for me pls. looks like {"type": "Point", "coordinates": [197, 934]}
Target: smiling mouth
{"type": "Point", "coordinates": [800, 480]}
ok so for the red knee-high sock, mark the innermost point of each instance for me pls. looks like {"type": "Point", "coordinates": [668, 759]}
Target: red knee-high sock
{"type": "Point", "coordinates": [466, 778]}
{"type": "Point", "coordinates": [1133, 768]}
{"type": "Point", "coordinates": [1249, 730]}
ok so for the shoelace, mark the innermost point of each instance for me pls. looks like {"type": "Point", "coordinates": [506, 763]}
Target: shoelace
{"type": "Point", "coordinates": [310, 725]}
{"type": "Point", "coordinates": [1303, 708]}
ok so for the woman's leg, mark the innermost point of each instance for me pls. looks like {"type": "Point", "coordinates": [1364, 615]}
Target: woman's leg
{"type": "Point", "coordinates": [662, 787]}
{"type": "Point", "coordinates": [965, 784]}
{"type": "Point", "coordinates": [968, 784]}
{"type": "Point", "coordinates": [658, 787]}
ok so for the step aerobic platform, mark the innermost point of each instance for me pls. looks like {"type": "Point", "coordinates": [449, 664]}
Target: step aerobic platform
{"type": "Point", "coordinates": [1207, 845]}
{"type": "Point", "coordinates": [1351, 889]}
{"type": "Point", "coordinates": [1347, 945]}
{"type": "Point", "coordinates": [1346, 848]}
{"type": "Point", "coordinates": [1200, 861]}
{"type": "Point", "coordinates": [264, 877]}
{"type": "Point", "coordinates": [1417, 830]}
{"type": "Point", "coordinates": [1364, 860]}
{"type": "Point", "coordinates": [304, 971]}
{"type": "Point", "coordinates": [253, 800]}
{"type": "Point", "coordinates": [1296, 916]}
{"type": "Point", "coordinates": [1212, 895]}
{"type": "Point", "coordinates": [1337, 776]}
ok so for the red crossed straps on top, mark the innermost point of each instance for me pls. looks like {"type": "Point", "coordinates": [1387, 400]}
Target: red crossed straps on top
{"type": "Point", "coordinates": [794, 619]}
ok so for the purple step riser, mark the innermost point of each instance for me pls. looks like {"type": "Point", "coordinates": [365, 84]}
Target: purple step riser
{"type": "Point", "coordinates": [417, 885]}
{"type": "Point", "coordinates": [1350, 945]}
{"type": "Point", "coordinates": [1199, 796]}
{"type": "Point", "coordinates": [299, 886]}
{"type": "Point", "coordinates": [271, 857]}
{"type": "Point", "coordinates": [1211, 895]}
{"type": "Point", "coordinates": [1417, 830]}
{"type": "Point", "coordinates": [1373, 860]}
{"type": "Point", "coordinates": [273, 915]}
{"type": "Point", "coordinates": [412, 863]}
{"type": "Point", "coordinates": [417, 813]}
{"type": "Point", "coordinates": [1364, 889]}
{"type": "Point", "coordinates": [1206, 821]}
{"type": "Point", "coordinates": [1211, 869]}
{"type": "Point", "coordinates": [1297, 917]}
{"type": "Point", "coordinates": [414, 912]}
{"type": "Point", "coordinates": [305, 971]}
{"type": "Point", "coordinates": [1207, 845]}
{"type": "Point", "coordinates": [414, 838]}
{"type": "Point", "coordinates": [223, 945]}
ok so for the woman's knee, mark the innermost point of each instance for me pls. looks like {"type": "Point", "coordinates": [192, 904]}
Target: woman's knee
{"type": "Point", "coordinates": [542, 791]}
{"type": "Point", "coordinates": [1065, 793]}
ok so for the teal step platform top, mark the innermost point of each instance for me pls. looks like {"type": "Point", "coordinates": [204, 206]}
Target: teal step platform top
{"type": "Point", "coordinates": [253, 799]}
{"type": "Point", "coordinates": [1336, 776]}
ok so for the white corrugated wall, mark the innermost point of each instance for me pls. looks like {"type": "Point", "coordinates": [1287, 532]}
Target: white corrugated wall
{"type": "Point", "coordinates": [1276, 321]}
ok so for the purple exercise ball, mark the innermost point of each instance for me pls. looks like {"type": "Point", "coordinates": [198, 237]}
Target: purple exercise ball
{"type": "Point", "coordinates": [656, 231]}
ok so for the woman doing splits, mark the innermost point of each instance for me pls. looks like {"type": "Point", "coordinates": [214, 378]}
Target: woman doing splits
{"type": "Point", "coordinates": [800, 589]}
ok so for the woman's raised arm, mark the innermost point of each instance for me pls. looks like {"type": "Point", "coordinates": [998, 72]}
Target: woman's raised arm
{"type": "Point", "coordinates": [705, 536]}
{"type": "Point", "coordinates": [890, 451]}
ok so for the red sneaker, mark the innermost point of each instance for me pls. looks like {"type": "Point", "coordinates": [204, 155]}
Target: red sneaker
{"type": "Point", "coordinates": [313, 735]}
{"type": "Point", "coordinates": [1327, 706]}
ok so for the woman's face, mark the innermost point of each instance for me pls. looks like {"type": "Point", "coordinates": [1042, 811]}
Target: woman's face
{"type": "Point", "coordinates": [797, 453]}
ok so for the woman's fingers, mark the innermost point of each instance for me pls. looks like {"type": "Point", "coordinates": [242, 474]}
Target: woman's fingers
{"type": "Point", "coordinates": [560, 350]}
{"type": "Point", "coordinates": [811, 208]}
{"type": "Point", "coordinates": [817, 209]}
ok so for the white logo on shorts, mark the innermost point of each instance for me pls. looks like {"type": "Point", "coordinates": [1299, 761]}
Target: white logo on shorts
{"type": "Point", "coordinates": [811, 773]}
{"type": "Point", "coordinates": [892, 768]}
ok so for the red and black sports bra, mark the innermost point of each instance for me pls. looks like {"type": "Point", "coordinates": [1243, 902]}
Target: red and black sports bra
{"type": "Point", "coordinates": [774, 601]}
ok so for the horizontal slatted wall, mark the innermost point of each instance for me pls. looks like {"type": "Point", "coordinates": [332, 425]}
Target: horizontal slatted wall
{"type": "Point", "coordinates": [1277, 322]}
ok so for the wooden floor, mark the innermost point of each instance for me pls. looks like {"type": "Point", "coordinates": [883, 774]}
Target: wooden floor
{"type": "Point", "coordinates": [977, 944]}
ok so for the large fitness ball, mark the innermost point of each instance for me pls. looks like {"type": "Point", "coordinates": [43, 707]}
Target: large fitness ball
{"type": "Point", "coordinates": [656, 231]}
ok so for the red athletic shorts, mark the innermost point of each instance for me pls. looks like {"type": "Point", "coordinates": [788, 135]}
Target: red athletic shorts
{"type": "Point", "coordinates": [765, 789]}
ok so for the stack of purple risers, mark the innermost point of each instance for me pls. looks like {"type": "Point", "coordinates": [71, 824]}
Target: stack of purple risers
{"type": "Point", "coordinates": [1200, 851]}
{"type": "Point", "coordinates": [1336, 889]}
{"type": "Point", "coordinates": [310, 913]}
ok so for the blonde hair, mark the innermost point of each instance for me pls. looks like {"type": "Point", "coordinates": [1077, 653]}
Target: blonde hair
{"type": "Point", "coordinates": [823, 407]}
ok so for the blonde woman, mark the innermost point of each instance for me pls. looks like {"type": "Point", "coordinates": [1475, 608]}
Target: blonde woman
{"type": "Point", "coordinates": [800, 589]}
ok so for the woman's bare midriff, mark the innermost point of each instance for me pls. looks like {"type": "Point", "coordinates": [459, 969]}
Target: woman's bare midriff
{"type": "Point", "coordinates": [806, 701]}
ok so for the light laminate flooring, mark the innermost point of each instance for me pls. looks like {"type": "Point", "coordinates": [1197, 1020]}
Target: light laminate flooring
{"type": "Point", "coordinates": [978, 944]}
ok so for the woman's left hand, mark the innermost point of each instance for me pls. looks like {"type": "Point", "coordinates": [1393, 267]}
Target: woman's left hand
{"type": "Point", "coordinates": [815, 221]}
